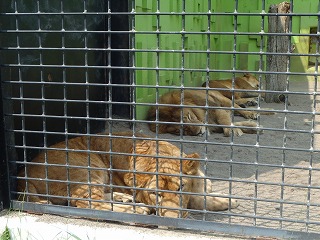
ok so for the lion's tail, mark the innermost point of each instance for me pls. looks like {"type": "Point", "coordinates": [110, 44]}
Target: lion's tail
{"type": "Point", "coordinates": [268, 111]}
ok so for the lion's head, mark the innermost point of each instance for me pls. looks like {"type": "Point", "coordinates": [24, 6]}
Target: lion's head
{"type": "Point", "coordinates": [161, 179]}
{"type": "Point", "coordinates": [251, 82]}
{"type": "Point", "coordinates": [192, 121]}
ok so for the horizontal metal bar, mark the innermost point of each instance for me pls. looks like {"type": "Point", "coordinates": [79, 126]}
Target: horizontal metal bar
{"type": "Point", "coordinates": [259, 128]}
{"type": "Point", "coordinates": [258, 146]}
{"type": "Point", "coordinates": [230, 180]}
{"type": "Point", "coordinates": [134, 50]}
{"type": "Point", "coordinates": [207, 160]}
{"type": "Point", "coordinates": [167, 87]}
{"type": "Point", "coordinates": [176, 123]}
{"type": "Point", "coordinates": [206, 70]}
{"type": "Point", "coordinates": [204, 195]}
{"type": "Point", "coordinates": [191, 224]}
{"type": "Point", "coordinates": [158, 13]}
{"type": "Point", "coordinates": [136, 32]}
{"type": "Point", "coordinates": [179, 107]}
{"type": "Point", "coordinates": [151, 68]}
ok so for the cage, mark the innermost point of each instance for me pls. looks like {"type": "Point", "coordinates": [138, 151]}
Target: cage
{"type": "Point", "coordinates": [76, 73]}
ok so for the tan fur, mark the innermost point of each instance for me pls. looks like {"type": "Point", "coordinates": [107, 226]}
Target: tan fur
{"type": "Point", "coordinates": [246, 82]}
{"type": "Point", "coordinates": [68, 176]}
{"type": "Point", "coordinates": [192, 100]}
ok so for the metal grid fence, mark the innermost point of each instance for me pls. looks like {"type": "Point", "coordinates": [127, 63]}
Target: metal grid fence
{"type": "Point", "coordinates": [74, 69]}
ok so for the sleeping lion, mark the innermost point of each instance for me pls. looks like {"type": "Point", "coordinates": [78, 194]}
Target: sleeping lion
{"type": "Point", "coordinates": [195, 105]}
{"type": "Point", "coordinates": [156, 173]}
{"type": "Point", "coordinates": [242, 98]}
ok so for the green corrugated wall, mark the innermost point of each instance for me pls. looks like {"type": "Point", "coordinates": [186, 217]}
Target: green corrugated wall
{"type": "Point", "coordinates": [218, 42]}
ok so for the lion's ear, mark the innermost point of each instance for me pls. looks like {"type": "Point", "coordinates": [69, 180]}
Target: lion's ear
{"type": "Point", "coordinates": [247, 75]}
{"type": "Point", "coordinates": [191, 167]}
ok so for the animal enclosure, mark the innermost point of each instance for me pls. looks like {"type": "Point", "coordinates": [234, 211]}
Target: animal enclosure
{"type": "Point", "coordinates": [90, 69]}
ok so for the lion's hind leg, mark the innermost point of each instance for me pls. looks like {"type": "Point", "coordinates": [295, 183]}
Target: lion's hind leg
{"type": "Point", "coordinates": [222, 117]}
{"type": "Point", "coordinates": [95, 198]}
{"type": "Point", "coordinates": [30, 194]}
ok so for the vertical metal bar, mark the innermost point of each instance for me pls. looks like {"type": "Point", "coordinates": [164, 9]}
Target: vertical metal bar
{"type": "Point", "coordinates": [65, 95]}
{"type": "Point", "coordinates": [21, 95]}
{"type": "Point", "coordinates": [182, 85]}
{"type": "Point", "coordinates": [4, 169]}
{"type": "Point", "coordinates": [182, 82]}
{"type": "Point", "coordinates": [257, 136]}
{"type": "Point", "coordinates": [43, 103]}
{"type": "Point", "coordinates": [133, 96]}
{"type": "Point", "coordinates": [157, 96]}
{"type": "Point", "coordinates": [261, 67]}
{"type": "Point", "coordinates": [157, 81]}
{"type": "Point", "coordinates": [109, 65]}
{"type": "Point", "coordinates": [4, 165]}
{"type": "Point", "coordinates": [234, 68]}
{"type": "Point", "coordinates": [314, 119]}
{"type": "Point", "coordinates": [87, 90]}
{"type": "Point", "coordinates": [132, 74]}
{"type": "Point", "coordinates": [207, 132]}
{"type": "Point", "coordinates": [110, 80]}
{"type": "Point", "coordinates": [285, 127]}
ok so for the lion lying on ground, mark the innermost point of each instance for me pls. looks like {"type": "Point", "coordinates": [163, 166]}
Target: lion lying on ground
{"type": "Point", "coordinates": [246, 82]}
{"type": "Point", "coordinates": [194, 114]}
{"type": "Point", "coordinates": [90, 188]}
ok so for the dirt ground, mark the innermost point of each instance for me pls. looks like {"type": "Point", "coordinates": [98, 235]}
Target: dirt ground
{"type": "Point", "coordinates": [274, 175]}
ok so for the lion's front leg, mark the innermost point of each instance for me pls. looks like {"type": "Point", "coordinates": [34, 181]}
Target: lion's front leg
{"type": "Point", "coordinates": [216, 203]}
{"type": "Point", "coordinates": [221, 116]}
{"type": "Point", "coordinates": [95, 196]}
{"type": "Point", "coordinates": [119, 197]}
{"type": "Point", "coordinates": [208, 202]}
{"type": "Point", "coordinates": [246, 102]}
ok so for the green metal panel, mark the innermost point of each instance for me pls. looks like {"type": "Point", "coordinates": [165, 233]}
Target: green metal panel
{"type": "Point", "coordinates": [218, 42]}
{"type": "Point", "coordinates": [303, 24]}
{"type": "Point", "coordinates": [172, 23]}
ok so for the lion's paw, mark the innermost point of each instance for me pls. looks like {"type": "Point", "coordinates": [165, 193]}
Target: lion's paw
{"type": "Point", "coordinates": [252, 103]}
{"type": "Point", "coordinates": [234, 203]}
{"type": "Point", "coordinates": [141, 210]}
{"type": "Point", "coordinates": [236, 132]}
{"type": "Point", "coordinates": [251, 115]}
{"type": "Point", "coordinates": [119, 197]}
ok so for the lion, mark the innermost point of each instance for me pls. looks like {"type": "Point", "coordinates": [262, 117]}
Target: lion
{"type": "Point", "coordinates": [191, 114]}
{"type": "Point", "coordinates": [242, 98]}
{"type": "Point", "coordinates": [120, 174]}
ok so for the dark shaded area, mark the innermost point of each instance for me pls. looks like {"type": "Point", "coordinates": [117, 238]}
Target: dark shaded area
{"type": "Point", "coordinates": [120, 58]}
{"type": "Point", "coordinates": [4, 191]}
{"type": "Point", "coordinates": [53, 93]}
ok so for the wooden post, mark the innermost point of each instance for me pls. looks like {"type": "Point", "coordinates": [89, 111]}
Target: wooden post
{"type": "Point", "coordinates": [277, 44]}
